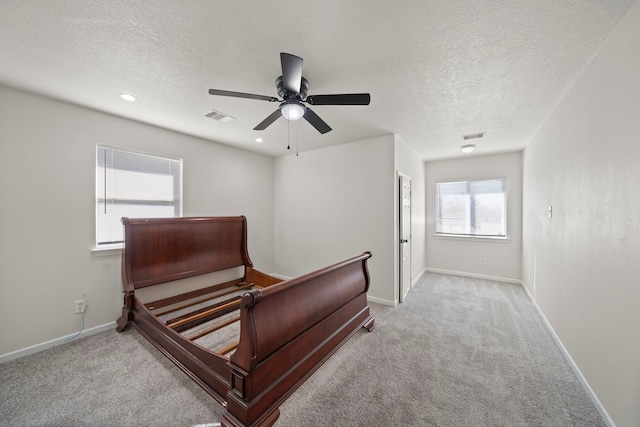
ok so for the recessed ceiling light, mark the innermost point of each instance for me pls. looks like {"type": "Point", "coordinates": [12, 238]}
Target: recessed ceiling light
{"type": "Point", "coordinates": [468, 148]}
{"type": "Point", "coordinates": [259, 140]}
{"type": "Point", "coordinates": [127, 97]}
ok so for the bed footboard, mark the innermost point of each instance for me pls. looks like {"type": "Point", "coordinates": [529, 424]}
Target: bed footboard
{"type": "Point", "coordinates": [288, 331]}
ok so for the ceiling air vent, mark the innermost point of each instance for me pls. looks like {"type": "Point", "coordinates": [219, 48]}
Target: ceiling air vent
{"type": "Point", "coordinates": [221, 117]}
{"type": "Point", "coordinates": [473, 136]}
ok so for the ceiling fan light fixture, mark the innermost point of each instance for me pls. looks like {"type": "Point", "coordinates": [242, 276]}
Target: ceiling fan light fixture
{"type": "Point", "coordinates": [292, 111]}
{"type": "Point", "coordinates": [468, 148]}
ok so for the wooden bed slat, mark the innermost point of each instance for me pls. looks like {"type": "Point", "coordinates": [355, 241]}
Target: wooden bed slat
{"type": "Point", "coordinates": [236, 288]}
{"type": "Point", "coordinates": [234, 303]}
{"type": "Point", "coordinates": [228, 349]}
{"type": "Point", "coordinates": [261, 279]}
{"type": "Point", "coordinates": [213, 328]}
{"type": "Point", "coordinates": [190, 315]}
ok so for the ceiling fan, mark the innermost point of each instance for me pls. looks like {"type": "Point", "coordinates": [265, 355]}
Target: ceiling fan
{"type": "Point", "coordinates": [292, 88]}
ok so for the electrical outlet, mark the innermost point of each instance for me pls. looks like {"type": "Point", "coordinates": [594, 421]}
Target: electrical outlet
{"type": "Point", "coordinates": [81, 306]}
{"type": "Point", "coordinates": [483, 261]}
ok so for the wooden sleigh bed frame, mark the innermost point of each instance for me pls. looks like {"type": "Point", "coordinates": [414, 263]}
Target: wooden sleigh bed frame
{"type": "Point", "coordinates": [287, 329]}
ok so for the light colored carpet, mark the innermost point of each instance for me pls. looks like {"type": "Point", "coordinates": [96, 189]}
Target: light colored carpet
{"type": "Point", "coordinates": [458, 352]}
{"type": "Point", "coordinates": [108, 379]}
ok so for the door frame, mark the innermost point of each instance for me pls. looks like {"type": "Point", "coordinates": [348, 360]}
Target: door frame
{"type": "Point", "coordinates": [404, 283]}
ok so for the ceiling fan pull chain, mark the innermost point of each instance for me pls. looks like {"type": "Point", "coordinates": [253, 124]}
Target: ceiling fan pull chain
{"type": "Point", "coordinates": [288, 137]}
{"type": "Point", "coordinates": [296, 139]}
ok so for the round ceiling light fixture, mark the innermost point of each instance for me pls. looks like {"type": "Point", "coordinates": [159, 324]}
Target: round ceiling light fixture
{"type": "Point", "coordinates": [259, 140]}
{"type": "Point", "coordinates": [127, 97]}
{"type": "Point", "coordinates": [468, 148]}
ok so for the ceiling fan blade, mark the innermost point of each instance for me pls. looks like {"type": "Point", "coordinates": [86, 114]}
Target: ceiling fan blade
{"type": "Point", "coordinates": [291, 72]}
{"type": "Point", "coordinates": [266, 122]}
{"type": "Point", "coordinates": [316, 121]}
{"type": "Point", "coordinates": [242, 95]}
{"type": "Point", "coordinates": [342, 99]}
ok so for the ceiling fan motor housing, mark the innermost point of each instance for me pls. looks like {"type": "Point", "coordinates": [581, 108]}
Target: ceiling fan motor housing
{"type": "Point", "coordinates": [282, 92]}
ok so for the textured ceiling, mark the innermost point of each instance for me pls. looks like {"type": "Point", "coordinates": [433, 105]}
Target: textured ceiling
{"type": "Point", "coordinates": [436, 70]}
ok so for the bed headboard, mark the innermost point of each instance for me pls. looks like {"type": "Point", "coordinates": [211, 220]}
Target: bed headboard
{"type": "Point", "coordinates": [158, 250]}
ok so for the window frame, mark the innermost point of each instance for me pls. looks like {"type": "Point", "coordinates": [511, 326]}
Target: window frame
{"type": "Point", "coordinates": [115, 247]}
{"type": "Point", "coordinates": [467, 236]}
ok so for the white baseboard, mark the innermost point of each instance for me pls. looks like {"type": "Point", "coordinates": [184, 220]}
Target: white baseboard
{"type": "Point", "coordinates": [53, 343]}
{"type": "Point", "coordinates": [415, 281]}
{"type": "Point", "coordinates": [381, 301]}
{"type": "Point", "coordinates": [474, 275]}
{"type": "Point", "coordinates": [603, 412]}
{"type": "Point", "coordinates": [280, 276]}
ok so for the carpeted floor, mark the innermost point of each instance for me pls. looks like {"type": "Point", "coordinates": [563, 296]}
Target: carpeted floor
{"type": "Point", "coordinates": [458, 352]}
{"type": "Point", "coordinates": [108, 379]}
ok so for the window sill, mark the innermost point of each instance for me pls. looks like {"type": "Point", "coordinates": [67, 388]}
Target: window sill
{"type": "Point", "coordinates": [472, 238]}
{"type": "Point", "coordinates": [107, 250]}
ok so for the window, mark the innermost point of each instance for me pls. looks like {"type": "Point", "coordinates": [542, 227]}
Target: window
{"type": "Point", "coordinates": [472, 208]}
{"type": "Point", "coordinates": [136, 185]}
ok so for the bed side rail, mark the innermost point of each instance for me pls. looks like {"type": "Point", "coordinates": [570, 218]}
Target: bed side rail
{"type": "Point", "coordinates": [288, 330]}
{"type": "Point", "coordinates": [273, 316]}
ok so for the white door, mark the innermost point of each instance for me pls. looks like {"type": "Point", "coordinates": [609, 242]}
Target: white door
{"type": "Point", "coordinates": [405, 235]}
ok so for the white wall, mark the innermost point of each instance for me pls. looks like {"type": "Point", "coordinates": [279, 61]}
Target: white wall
{"type": "Point", "coordinates": [334, 203]}
{"type": "Point", "coordinates": [409, 163]}
{"type": "Point", "coordinates": [331, 203]}
{"type": "Point", "coordinates": [582, 265]}
{"type": "Point", "coordinates": [462, 255]}
{"type": "Point", "coordinates": [47, 220]}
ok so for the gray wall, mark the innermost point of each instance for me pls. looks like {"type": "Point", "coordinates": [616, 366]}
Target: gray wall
{"type": "Point", "coordinates": [47, 174]}
{"type": "Point", "coordinates": [582, 265]}
{"type": "Point", "coordinates": [47, 220]}
{"type": "Point", "coordinates": [335, 203]}
{"type": "Point", "coordinates": [462, 255]}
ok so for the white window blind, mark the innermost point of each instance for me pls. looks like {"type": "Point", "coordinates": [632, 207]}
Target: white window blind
{"type": "Point", "coordinates": [135, 185]}
{"type": "Point", "coordinates": [472, 208]}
